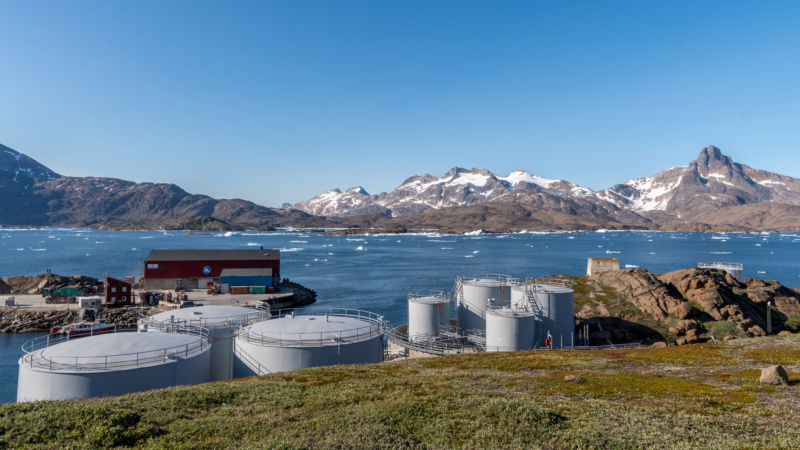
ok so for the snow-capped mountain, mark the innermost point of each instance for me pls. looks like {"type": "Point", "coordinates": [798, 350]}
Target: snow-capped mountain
{"type": "Point", "coordinates": [418, 194]}
{"type": "Point", "coordinates": [710, 190]}
{"type": "Point", "coordinates": [352, 202]}
{"type": "Point", "coordinates": [713, 180]}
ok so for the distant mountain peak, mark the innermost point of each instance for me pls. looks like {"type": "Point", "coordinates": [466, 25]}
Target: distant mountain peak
{"type": "Point", "coordinates": [711, 160]}
{"type": "Point", "coordinates": [357, 190]}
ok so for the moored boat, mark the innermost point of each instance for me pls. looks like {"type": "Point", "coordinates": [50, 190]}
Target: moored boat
{"type": "Point", "coordinates": [99, 326]}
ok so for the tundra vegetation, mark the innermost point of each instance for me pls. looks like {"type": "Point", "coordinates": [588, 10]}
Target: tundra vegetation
{"type": "Point", "coordinates": [695, 396]}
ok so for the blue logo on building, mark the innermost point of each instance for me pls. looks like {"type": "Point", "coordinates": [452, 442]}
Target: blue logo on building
{"type": "Point", "coordinates": [207, 270]}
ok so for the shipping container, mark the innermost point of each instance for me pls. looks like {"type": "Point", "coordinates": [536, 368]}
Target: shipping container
{"type": "Point", "coordinates": [258, 289]}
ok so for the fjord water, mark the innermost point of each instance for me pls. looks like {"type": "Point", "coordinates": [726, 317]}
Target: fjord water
{"type": "Point", "coordinates": [376, 272]}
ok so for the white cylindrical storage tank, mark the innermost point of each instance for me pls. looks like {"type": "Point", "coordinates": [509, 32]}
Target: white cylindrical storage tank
{"type": "Point", "coordinates": [222, 322]}
{"type": "Point", "coordinates": [307, 338]}
{"type": "Point", "coordinates": [426, 312]}
{"type": "Point", "coordinates": [518, 296]}
{"type": "Point", "coordinates": [110, 364]}
{"type": "Point", "coordinates": [558, 313]}
{"type": "Point", "coordinates": [509, 330]}
{"type": "Point", "coordinates": [476, 293]}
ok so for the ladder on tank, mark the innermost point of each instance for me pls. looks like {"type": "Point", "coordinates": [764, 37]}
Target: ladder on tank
{"type": "Point", "coordinates": [532, 304]}
{"type": "Point", "coordinates": [458, 294]}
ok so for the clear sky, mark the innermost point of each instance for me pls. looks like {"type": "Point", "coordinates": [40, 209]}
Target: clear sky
{"type": "Point", "coordinates": [278, 101]}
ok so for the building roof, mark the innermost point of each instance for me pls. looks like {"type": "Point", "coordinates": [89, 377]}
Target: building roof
{"type": "Point", "coordinates": [215, 255]}
{"type": "Point", "coordinates": [246, 273]}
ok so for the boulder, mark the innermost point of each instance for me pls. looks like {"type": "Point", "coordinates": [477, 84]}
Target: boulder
{"type": "Point", "coordinates": [785, 333]}
{"type": "Point", "coordinates": [659, 344]}
{"type": "Point", "coordinates": [774, 375]}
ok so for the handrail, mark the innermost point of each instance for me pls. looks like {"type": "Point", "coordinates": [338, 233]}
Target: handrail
{"type": "Point", "coordinates": [249, 361]}
{"type": "Point", "coordinates": [493, 279]}
{"type": "Point", "coordinates": [35, 359]}
{"type": "Point", "coordinates": [238, 319]}
{"type": "Point", "coordinates": [543, 282]}
{"type": "Point", "coordinates": [720, 265]}
{"type": "Point", "coordinates": [447, 342]}
{"type": "Point", "coordinates": [376, 325]}
{"type": "Point", "coordinates": [428, 294]}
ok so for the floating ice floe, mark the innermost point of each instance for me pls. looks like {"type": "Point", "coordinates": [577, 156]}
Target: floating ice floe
{"type": "Point", "coordinates": [299, 242]}
{"type": "Point", "coordinates": [631, 266]}
{"type": "Point", "coordinates": [359, 248]}
{"type": "Point", "coordinates": [291, 249]}
{"type": "Point", "coordinates": [254, 244]}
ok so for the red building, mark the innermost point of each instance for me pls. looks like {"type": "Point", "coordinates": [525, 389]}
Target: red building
{"type": "Point", "coordinates": [196, 268]}
{"type": "Point", "coordinates": [118, 293]}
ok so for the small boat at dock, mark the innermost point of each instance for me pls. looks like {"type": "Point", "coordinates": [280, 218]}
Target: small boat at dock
{"type": "Point", "coordinates": [100, 326]}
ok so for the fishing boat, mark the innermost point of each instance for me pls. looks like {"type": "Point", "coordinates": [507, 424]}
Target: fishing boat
{"type": "Point", "coordinates": [99, 326]}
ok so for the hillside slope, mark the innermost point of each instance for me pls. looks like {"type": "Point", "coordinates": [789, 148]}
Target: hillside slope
{"type": "Point", "coordinates": [703, 396]}
{"type": "Point", "coordinates": [32, 194]}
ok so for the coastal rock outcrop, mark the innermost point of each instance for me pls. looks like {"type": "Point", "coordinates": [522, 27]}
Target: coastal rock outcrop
{"type": "Point", "coordinates": [713, 291]}
{"type": "Point", "coordinates": [33, 284]}
{"type": "Point", "coordinates": [645, 291]}
{"type": "Point", "coordinates": [686, 306]}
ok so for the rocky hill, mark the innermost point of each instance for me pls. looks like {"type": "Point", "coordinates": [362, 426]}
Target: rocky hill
{"type": "Point", "coordinates": [32, 194]}
{"type": "Point", "coordinates": [685, 306]}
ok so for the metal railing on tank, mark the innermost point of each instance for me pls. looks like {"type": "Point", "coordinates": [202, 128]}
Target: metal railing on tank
{"type": "Point", "coordinates": [35, 358]}
{"type": "Point", "coordinates": [438, 295]}
{"type": "Point", "coordinates": [447, 342]}
{"type": "Point", "coordinates": [259, 314]}
{"type": "Point", "coordinates": [374, 325]}
{"type": "Point", "coordinates": [491, 279]}
{"type": "Point", "coordinates": [542, 283]}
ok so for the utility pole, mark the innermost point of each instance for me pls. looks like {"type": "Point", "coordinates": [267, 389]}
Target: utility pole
{"type": "Point", "coordinates": [769, 318]}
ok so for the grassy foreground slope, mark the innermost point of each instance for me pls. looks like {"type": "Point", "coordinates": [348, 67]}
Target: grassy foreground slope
{"type": "Point", "coordinates": [678, 397]}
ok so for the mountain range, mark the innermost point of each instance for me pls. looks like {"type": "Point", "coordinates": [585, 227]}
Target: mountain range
{"type": "Point", "coordinates": [710, 193]}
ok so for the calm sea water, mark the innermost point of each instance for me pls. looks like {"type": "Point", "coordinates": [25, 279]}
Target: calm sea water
{"type": "Point", "coordinates": [376, 272]}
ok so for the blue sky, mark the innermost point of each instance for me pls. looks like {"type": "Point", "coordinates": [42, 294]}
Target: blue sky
{"type": "Point", "coordinates": [279, 101]}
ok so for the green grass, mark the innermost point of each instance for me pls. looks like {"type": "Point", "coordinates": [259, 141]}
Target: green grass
{"type": "Point", "coordinates": [678, 397]}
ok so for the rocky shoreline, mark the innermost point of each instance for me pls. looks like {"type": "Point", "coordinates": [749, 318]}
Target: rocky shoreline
{"type": "Point", "coordinates": [37, 320]}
